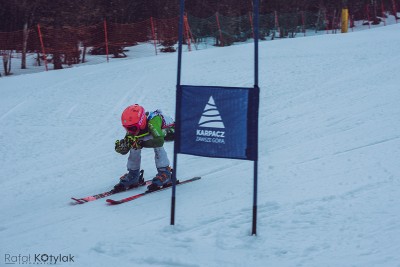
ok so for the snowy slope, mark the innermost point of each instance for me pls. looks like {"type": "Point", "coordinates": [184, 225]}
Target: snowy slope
{"type": "Point", "coordinates": [329, 151]}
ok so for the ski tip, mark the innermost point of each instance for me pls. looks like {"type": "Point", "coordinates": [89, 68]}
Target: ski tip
{"type": "Point", "coordinates": [112, 202]}
{"type": "Point", "coordinates": [192, 179]}
{"type": "Point", "coordinates": [78, 201]}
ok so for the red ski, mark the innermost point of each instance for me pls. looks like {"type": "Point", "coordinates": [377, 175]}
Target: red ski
{"type": "Point", "coordinates": [106, 194]}
{"type": "Point", "coordinates": [127, 199]}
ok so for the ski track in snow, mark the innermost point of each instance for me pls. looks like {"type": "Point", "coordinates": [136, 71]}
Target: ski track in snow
{"type": "Point", "coordinates": [328, 160]}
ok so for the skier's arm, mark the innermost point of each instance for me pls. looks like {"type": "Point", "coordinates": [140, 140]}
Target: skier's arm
{"type": "Point", "coordinates": [155, 130]}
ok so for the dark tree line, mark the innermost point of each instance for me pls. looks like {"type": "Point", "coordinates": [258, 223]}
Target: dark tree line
{"type": "Point", "coordinates": [17, 14]}
{"type": "Point", "coordinates": [24, 15]}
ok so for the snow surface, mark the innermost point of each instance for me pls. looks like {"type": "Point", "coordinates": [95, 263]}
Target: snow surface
{"type": "Point", "coordinates": [329, 160]}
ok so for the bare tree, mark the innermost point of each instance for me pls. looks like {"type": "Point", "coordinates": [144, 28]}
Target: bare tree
{"type": "Point", "coordinates": [28, 14]}
{"type": "Point", "coordinates": [7, 55]}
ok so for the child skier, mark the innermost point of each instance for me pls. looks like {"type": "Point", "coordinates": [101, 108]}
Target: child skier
{"type": "Point", "coordinates": [144, 130]}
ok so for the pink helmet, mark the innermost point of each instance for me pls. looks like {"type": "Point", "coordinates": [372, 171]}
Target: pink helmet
{"type": "Point", "coordinates": [134, 119]}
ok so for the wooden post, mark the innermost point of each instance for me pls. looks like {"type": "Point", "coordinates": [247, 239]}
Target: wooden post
{"type": "Point", "coordinates": [106, 38]}
{"type": "Point", "coordinates": [43, 50]}
{"type": "Point", "coordinates": [345, 20]}
{"type": "Point", "coordinates": [219, 28]}
{"type": "Point", "coordinates": [186, 24]}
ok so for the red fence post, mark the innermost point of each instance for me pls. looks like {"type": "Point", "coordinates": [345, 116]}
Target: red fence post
{"type": "Point", "coordinates": [42, 44]}
{"type": "Point", "coordinates": [219, 28]}
{"type": "Point", "coordinates": [186, 24]}
{"type": "Point", "coordinates": [251, 23]}
{"type": "Point", "coordinates": [106, 38]}
{"type": "Point", "coordinates": [153, 31]}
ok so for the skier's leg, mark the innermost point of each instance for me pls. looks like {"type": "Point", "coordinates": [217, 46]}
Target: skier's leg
{"type": "Point", "coordinates": [134, 159]}
{"type": "Point", "coordinates": [130, 179]}
{"type": "Point", "coordinates": [163, 169]}
{"type": "Point", "coordinates": [160, 157]}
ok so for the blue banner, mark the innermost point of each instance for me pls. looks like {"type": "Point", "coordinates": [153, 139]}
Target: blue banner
{"type": "Point", "coordinates": [216, 121]}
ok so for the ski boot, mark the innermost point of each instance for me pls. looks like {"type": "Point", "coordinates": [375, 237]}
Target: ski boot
{"type": "Point", "coordinates": [129, 180]}
{"type": "Point", "coordinates": [162, 179]}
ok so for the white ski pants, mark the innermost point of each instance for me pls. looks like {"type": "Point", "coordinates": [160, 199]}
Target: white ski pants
{"type": "Point", "coordinates": [160, 158]}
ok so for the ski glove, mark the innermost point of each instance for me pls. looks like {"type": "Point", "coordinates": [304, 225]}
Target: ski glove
{"type": "Point", "coordinates": [122, 146]}
{"type": "Point", "coordinates": [134, 142]}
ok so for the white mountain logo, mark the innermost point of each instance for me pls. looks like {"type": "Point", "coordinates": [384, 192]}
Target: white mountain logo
{"type": "Point", "coordinates": [211, 117]}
